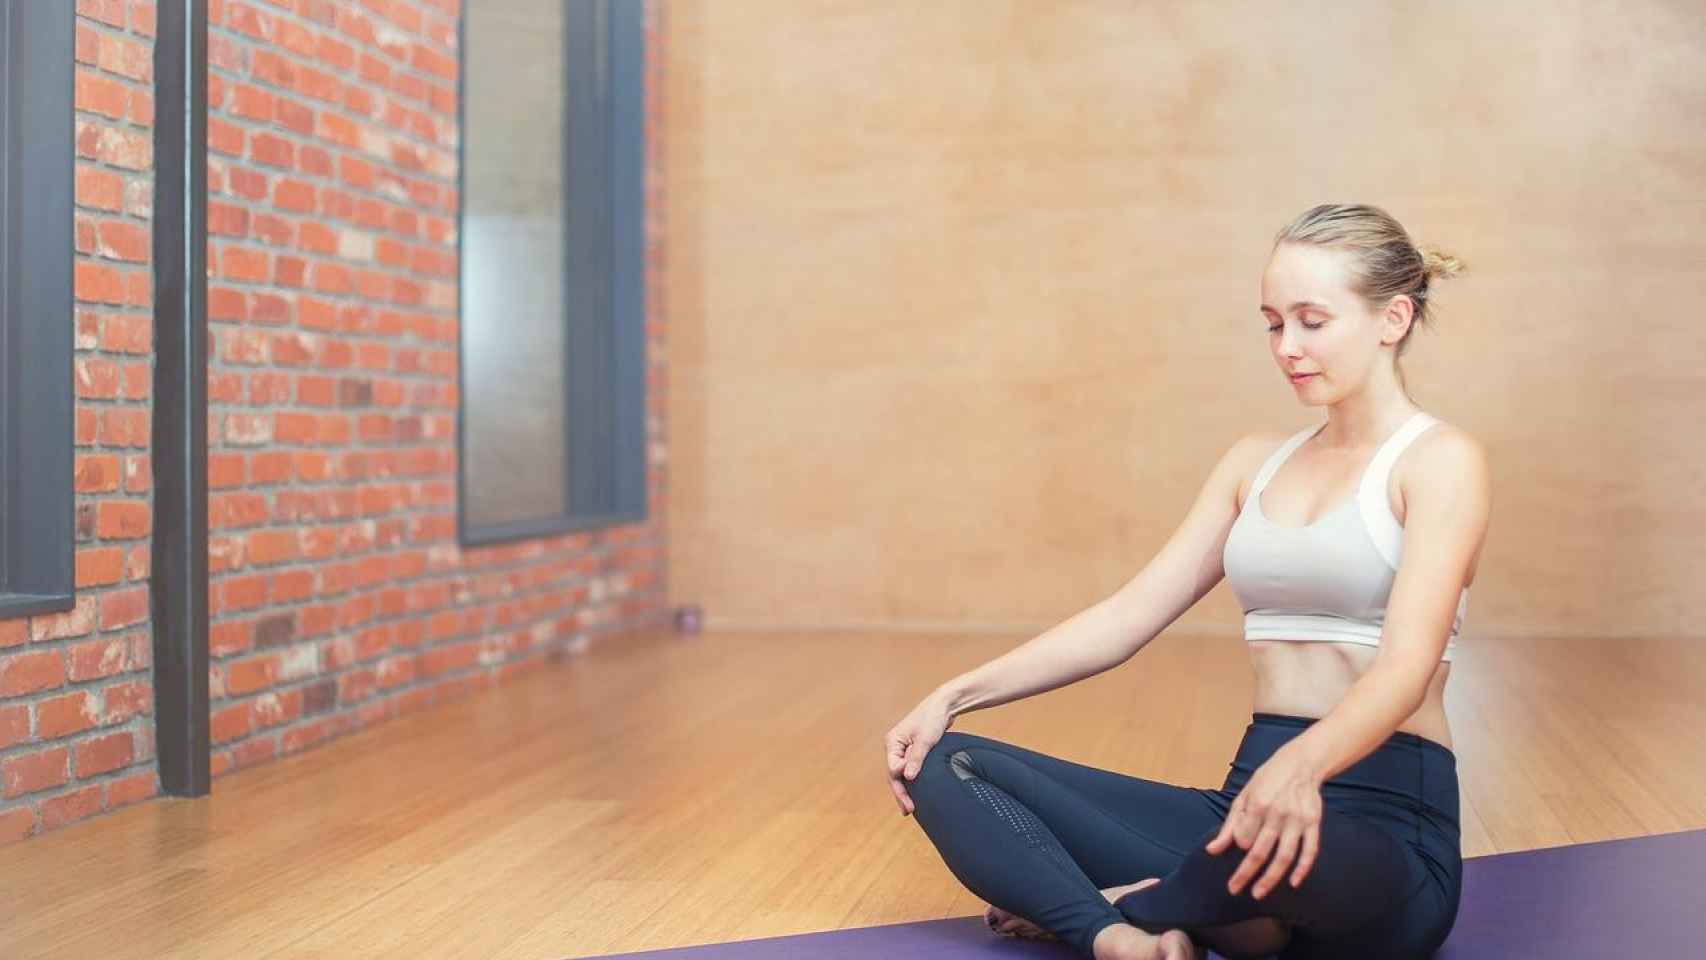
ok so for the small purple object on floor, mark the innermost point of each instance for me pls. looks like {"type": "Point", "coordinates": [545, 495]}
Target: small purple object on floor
{"type": "Point", "coordinates": [1638, 897]}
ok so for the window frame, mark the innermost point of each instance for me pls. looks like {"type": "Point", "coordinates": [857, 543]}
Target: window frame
{"type": "Point", "coordinates": [604, 215]}
{"type": "Point", "coordinates": [37, 502]}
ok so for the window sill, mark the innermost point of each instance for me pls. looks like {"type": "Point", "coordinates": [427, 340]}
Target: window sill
{"type": "Point", "coordinates": [15, 605]}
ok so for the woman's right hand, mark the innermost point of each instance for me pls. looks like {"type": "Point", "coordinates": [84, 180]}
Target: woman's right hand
{"type": "Point", "coordinates": [909, 741]}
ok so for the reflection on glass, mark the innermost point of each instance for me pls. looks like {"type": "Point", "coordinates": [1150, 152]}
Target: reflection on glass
{"type": "Point", "coordinates": [514, 444]}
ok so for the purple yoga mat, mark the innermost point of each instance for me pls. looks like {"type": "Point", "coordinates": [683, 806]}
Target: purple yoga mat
{"type": "Point", "coordinates": [1640, 897]}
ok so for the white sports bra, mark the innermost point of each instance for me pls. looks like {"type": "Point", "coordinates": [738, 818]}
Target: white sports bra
{"type": "Point", "coordinates": [1328, 581]}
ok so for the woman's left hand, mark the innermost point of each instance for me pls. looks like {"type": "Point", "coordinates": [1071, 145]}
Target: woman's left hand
{"type": "Point", "coordinates": [1277, 809]}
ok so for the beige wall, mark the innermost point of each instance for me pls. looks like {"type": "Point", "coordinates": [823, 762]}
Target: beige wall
{"type": "Point", "coordinates": [963, 294]}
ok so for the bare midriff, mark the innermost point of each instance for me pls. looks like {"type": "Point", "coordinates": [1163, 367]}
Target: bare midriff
{"type": "Point", "coordinates": [1310, 678]}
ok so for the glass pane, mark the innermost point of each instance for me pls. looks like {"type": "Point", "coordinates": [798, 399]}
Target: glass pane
{"type": "Point", "coordinates": [513, 323]}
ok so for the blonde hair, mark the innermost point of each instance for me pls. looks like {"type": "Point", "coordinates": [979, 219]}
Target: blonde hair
{"type": "Point", "coordinates": [1385, 262]}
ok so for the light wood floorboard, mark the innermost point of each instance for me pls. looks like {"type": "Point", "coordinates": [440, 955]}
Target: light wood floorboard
{"type": "Point", "coordinates": [661, 790]}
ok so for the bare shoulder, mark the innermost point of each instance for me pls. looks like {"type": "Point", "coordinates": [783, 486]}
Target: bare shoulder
{"type": "Point", "coordinates": [1445, 457]}
{"type": "Point", "coordinates": [1448, 449]}
{"type": "Point", "coordinates": [1249, 453]}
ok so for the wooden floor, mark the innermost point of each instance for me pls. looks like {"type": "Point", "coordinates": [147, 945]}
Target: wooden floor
{"type": "Point", "coordinates": [659, 791]}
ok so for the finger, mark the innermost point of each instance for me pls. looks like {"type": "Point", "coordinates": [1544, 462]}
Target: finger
{"type": "Point", "coordinates": [1306, 859]}
{"type": "Point", "coordinates": [1253, 860]}
{"type": "Point", "coordinates": [1218, 844]}
{"type": "Point", "coordinates": [1284, 853]}
{"type": "Point", "coordinates": [900, 798]}
{"type": "Point", "coordinates": [896, 754]}
{"type": "Point", "coordinates": [1221, 839]}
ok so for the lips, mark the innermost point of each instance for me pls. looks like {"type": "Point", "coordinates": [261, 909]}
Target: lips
{"type": "Point", "coordinates": [1300, 377]}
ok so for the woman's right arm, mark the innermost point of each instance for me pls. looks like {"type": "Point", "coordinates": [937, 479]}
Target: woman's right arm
{"type": "Point", "coordinates": [1111, 631]}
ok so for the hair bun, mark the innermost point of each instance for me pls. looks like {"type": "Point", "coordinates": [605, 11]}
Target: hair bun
{"type": "Point", "coordinates": [1440, 266]}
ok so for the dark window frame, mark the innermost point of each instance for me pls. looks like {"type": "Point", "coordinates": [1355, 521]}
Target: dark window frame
{"type": "Point", "coordinates": [604, 211]}
{"type": "Point", "coordinates": [37, 429]}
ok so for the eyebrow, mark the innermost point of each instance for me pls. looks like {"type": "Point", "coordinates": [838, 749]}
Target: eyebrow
{"type": "Point", "coordinates": [1298, 304]}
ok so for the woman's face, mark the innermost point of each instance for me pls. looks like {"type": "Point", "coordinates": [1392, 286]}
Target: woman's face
{"type": "Point", "coordinates": [1316, 324]}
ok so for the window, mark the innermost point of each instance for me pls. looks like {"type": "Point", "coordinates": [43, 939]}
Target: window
{"type": "Point", "coordinates": [551, 424]}
{"type": "Point", "coordinates": [37, 563]}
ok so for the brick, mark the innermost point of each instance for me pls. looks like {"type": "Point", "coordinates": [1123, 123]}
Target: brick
{"type": "Point", "coordinates": [316, 161]}
{"type": "Point", "coordinates": [31, 672]}
{"type": "Point", "coordinates": [60, 717]}
{"type": "Point", "coordinates": [294, 117]}
{"type": "Point", "coordinates": [97, 94]}
{"type": "Point", "coordinates": [100, 755]}
{"type": "Point", "coordinates": [226, 304]}
{"type": "Point", "coordinates": [97, 378]}
{"type": "Point", "coordinates": [242, 593]}
{"type": "Point", "coordinates": [16, 824]}
{"type": "Point", "coordinates": [142, 108]}
{"type": "Point", "coordinates": [254, 751]}
{"type": "Point", "coordinates": [248, 21]}
{"type": "Point", "coordinates": [34, 772]}
{"type": "Point", "coordinates": [252, 674]}
{"type": "Point", "coordinates": [289, 271]}
{"type": "Point", "coordinates": [119, 240]}
{"type": "Point", "coordinates": [226, 220]}
{"type": "Point", "coordinates": [226, 469]}
{"type": "Point", "coordinates": [126, 58]}
{"type": "Point", "coordinates": [271, 467]}
{"type": "Point", "coordinates": [272, 150]}
{"type": "Point", "coordinates": [316, 391]}
{"type": "Point", "coordinates": [290, 586]}
{"type": "Point", "coordinates": [230, 723]}
{"type": "Point", "coordinates": [14, 724]}
{"type": "Point", "coordinates": [126, 333]}
{"type": "Point", "coordinates": [273, 229]}
{"type": "Point", "coordinates": [94, 659]}
{"type": "Point", "coordinates": [77, 622]}
{"type": "Point", "coordinates": [96, 473]}
{"type": "Point", "coordinates": [83, 236]}
{"type": "Point", "coordinates": [316, 237]}
{"type": "Point", "coordinates": [122, 519]}
{"type": "Point", "coordinates": [138, 566]}
{"type": "Point", "coordinates": [242, 263]}
{"type": "Point", "coordinates": [14, 633]}
{"type": "Point", "coordinates": [142, 17]}
{"type": "Point", "coordinates": [99, 567]}
{"type": "Point", "coordinates": [224, 639]}
{"type": "Point", "coordinates": [124, 791]}
{"type": "Point", "coordinates": [88, 44]}
{"type": "Point", "coordinates": [269, 308]}
{"type": "Point", "coordinates": [295, 196]}
{"type": "Point", "coordinates": [269, 67]}
{"type": "Point", "coordinates": [271, 547]}
{"type": "Point", "coordinates": [124, 608]}
{"type": "Point", "coordinates": [99, 189]}
{"type": "Point", "coordinates": [122, 701]}
{"type": "Point", "coordinates": [70, 807]}
{"type": "Point", "coordinates": [123, 427]}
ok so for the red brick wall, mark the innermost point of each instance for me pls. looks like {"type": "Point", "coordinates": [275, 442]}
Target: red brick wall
{"type": "Point", "coordinates": [339, 594]}
{"type": "Point", "coordinates": [76, 696]}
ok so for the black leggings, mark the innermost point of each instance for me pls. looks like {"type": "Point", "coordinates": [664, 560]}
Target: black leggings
{"type": "Point", "coordinates": [1040, 837]}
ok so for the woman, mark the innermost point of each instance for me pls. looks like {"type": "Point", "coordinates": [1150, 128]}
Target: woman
{"type": "Point", "coordinates": [1335, 833]}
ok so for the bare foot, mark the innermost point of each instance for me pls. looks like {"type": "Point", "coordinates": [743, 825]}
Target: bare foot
{"type": "Point", "coordinates": [1121, 941]}
{"type": "Point", "coordinates": [1012, 925]}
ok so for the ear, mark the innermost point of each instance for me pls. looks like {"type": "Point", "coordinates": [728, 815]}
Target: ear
{"type": "Point", "coordinates": [1400, 310]}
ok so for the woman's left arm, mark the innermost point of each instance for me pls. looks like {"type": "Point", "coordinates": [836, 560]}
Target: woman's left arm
{"type": "Point", "coordinates": [1447, 500]}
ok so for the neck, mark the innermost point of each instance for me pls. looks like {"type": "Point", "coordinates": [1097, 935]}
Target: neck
{"type": "Point", "coordinates": [1365, 419]}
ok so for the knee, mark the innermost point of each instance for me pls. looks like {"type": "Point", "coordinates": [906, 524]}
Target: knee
{"type": "Point", "coordinates": [946, 762]}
